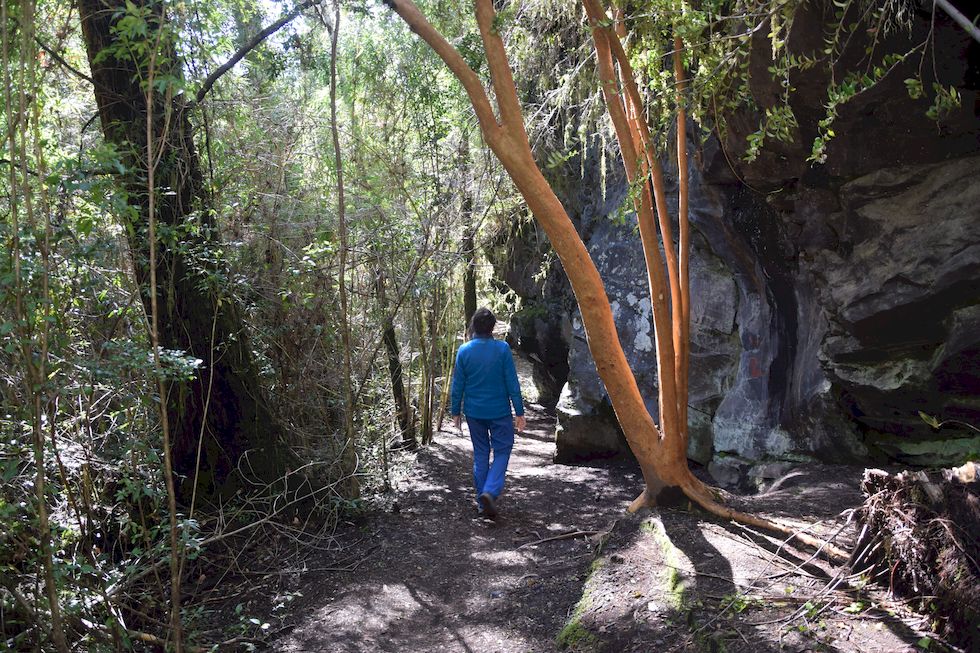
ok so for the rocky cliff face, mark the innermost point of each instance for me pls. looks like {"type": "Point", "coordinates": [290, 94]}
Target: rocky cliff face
{"type": "Point", "coordinates": [830, 304]}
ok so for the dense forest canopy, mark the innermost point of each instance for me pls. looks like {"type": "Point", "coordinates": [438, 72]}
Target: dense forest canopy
{"type": "Point", "coordinates": [242, 241]}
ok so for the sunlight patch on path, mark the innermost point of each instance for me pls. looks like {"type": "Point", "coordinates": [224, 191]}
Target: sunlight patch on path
{"type": "Point", "coordinates": [442, 579]}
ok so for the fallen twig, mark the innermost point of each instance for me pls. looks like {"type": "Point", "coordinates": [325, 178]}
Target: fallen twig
{"type": "Point", "coordinates": [285, 572]}
{"type": "Point", "coordinates": [564, 536]}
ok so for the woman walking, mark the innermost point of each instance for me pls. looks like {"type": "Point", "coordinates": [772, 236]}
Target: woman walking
{"type": "Point", "coordinates": [484, 387]}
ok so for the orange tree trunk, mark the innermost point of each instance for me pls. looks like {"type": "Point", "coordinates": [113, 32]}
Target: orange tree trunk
{"type": "Point", "coordinates": [662, 459]}
{"type": "Point", "coordinates": [663, 463]}
{"type": "Point", "coordinates": [670, 292]}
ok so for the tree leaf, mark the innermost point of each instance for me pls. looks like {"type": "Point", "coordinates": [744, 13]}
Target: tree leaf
{"type": "Point", "coordinates": [929, 419]}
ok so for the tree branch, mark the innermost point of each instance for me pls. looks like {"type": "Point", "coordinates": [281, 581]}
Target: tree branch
{"type": "Point", "coordinates": [682, 341]}
{"type": "Point", "coordinates": [640, 162]}
{"type": "Point", "coordinates": [960, 19]}
{"type": "Point", "coordinates": [17, 166]}
{"type": "Point", "coordinates": [500, 74]}
{"type": "Point", "coordinates": [28, 608]}
{"type": "Point", "coordinates": [470, 80]}
{"type": "Point", "coordinates": [57, 57]}
{"type": "Point", "coordinates": [253, 43]}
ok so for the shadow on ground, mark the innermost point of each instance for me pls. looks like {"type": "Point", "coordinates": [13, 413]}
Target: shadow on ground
{"type": "Point", "coordinates": [677, 580]}
{"type": "Point", "coordinates": [443, 579]}
{"type": "Point", "coordinates": [564, 567]}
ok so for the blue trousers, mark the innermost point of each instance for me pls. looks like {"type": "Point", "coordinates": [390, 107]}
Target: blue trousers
{"type": "Point", "coordinates": [497, 434]}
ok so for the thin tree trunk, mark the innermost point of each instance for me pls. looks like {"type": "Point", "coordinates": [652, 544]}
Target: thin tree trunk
{"type": "Point", "coordinates": [469, 237]}
{"type": "Point", "coordinates": [403, 413]}
{"type": "Point", "coordinates": [35, 375]}
{"type": "Point", "coordinates": [626, 117]}
{"type": "Point", "coordinates": [405, 425]}
{"type": "Point", "coordinates": [349, 453]}
{"type": "Point", "coordinates": [434, 361]}
{"type": "Point", "coordinates": [684, 238]}
{"type": "Point", "coordinates": [176, 626]}
{"type": "Point", "coordinates": [469, 274]}
{"type": "Point", "coordinates": [425, 353]}
{"type": "Point", "coordinates": [448, 355]}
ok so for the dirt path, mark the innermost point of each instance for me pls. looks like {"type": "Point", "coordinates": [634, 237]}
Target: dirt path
{"type": "Point", "coordinates": [434, 577]}
{"type": "Point", "coordinates": [442, 579]}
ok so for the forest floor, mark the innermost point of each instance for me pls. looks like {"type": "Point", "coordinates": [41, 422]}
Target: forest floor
{"type": "Point", "coordinates": [563, 568]}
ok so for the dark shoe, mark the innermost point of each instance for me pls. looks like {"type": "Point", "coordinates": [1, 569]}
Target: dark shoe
{"type": "Point", "coordinates": [487, 505]}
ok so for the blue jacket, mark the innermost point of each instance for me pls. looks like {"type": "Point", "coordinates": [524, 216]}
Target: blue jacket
{"type": "Point", "coordinates": [485, 380]}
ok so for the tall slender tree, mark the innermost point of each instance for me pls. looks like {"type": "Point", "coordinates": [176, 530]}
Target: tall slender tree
{"type": "Point", "coordinates": [31, 323]}
{"type": "Point", "coordinates": [403, 411]}
{"type": "Point", "coordinates": [469, 233]}
{"type": "Point", "coordinates": [659, 449]}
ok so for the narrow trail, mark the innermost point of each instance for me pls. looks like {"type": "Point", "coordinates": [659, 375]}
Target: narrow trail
{"type": "Point", "coordinates": [442, 579]}
{"type": "Point", "coordinates": [434, 577]}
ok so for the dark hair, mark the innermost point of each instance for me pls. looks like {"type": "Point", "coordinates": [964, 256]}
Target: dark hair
{"type": "Point", "coordinates": [482, 323]}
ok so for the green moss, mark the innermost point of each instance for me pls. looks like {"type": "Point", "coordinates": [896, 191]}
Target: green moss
{"type": "Point", "coordinates": [676, 588]}
{"type": "Point", "coordinates": [674, 580]}
{"type": "Point", "coordinates": [574, 635]}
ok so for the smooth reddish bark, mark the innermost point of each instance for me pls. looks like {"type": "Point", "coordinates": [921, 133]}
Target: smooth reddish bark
{"type": "Point", "coordinates": [661, 454]}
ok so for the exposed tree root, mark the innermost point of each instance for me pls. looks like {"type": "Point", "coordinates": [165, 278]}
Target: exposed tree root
{"type": "Point", "coordinates": [831, 551]}
{"type": "Point", "coordinates": [701, 494]}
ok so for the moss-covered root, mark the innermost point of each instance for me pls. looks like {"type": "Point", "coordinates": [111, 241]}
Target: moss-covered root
{"type": "Point", "coordinates": [575, 636]}
{"type": "Point", "coordinates": [675, 581]}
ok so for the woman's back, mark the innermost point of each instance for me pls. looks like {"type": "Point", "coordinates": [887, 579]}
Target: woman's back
{"type": "Point", "coordinates": [485, 380]}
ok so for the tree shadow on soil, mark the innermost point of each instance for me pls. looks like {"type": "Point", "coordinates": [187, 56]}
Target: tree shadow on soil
{"type": "Point", "coordinates": [444, 579]}
{"type": "Point", "coordinates": [810, 566]}
{"type": "Point", "coordinates": [741, 591]}
{"type": "Point", "coordinates": [711, 582]}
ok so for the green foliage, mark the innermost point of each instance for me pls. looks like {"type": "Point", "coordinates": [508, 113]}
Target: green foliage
{"type": "Point", "coordinates": [558, 160]}
{"type": "Point", "coordinates": [947, 99]}
{"type": "Point", "coordinates": [779, 123]}
{"type": "Point", "coordinates": [929, 419]}
{"type": "Point", "coordinates": [95, 400]}
{"type": "Point", "coordinates": [724, 41]}
{"type": "Point", "coordinates": [142, 36]}
{"type": "Point", "coordinates": [724, 47]}
{"type": "Point", "coordinates": [410, 154]}
{"type": "Point", "coordinates": [853, 84]}
{"type": "Point", "coordinates": [739, 603]}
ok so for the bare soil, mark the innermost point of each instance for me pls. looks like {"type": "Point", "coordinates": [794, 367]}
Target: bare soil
{"type": "Point", "coordinates": [563, 568]}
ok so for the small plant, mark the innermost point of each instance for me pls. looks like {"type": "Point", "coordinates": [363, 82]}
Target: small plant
{"type": "Point", "coordinates": [739, 603]}
{"type": "Point", "coordinates": [936, 424]}
{"type": "Point", "coordinates": [810, 610]}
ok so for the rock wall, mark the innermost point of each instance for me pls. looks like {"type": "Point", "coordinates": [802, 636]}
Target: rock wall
{"type": "Point", "coordinates": [830, 304]}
